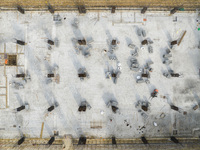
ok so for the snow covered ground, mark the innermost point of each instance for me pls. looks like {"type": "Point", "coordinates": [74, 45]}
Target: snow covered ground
{"type": "Point", "coordinates": [35, 28]}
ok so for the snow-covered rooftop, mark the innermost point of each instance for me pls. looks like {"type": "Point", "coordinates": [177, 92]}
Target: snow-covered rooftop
{"type": "Point", "coordinates": [66, 91]}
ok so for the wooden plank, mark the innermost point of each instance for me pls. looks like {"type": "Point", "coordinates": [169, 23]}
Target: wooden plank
{"type": "Point", "coordinates": [17, 58]}
{"type": "Point", "coordinates": [4, 70]}
{"type": "Point", "coordinates": [4, 63]}
{"type": "Point", "coordinates": [2, 59]}
{"type": "Point", "coordinates": [20, 65]}
{"type": "Point", "coordinates": [57, 78]}
{"type": "Point", "coordinates": [6, 92]}
{"type": "Point", "coordinates": [42, 130]}
{"type": "Point", "coordinates": [4, 48]}
{"type": "Point", "coordinates": [181, 38]}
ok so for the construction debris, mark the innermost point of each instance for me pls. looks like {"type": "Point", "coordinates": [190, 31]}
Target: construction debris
{"type": "Point", "coordinates": [135, 53]}
{"type": "Point", "coordinates": [196, 107]}
{"type": "Point", "coordinates": [21, 141]}
{"type": "Point", "coordinates": [57, 18]}
{"type": "Point", "coordinates": [131, 46]}
{"type": "Point", "coordinates": [20, 75]}
{"type": "Point", "coordinates": [113, 57]}
{"type": "Point", "coordinates": [173, 11]}
{"type": "Point", "coordinates": [17, 85]}
{"type": "Point", "coordinates": [144, 42]}
{"type": "Point", "coordinates": [148, 66]}
{"type": "Point", "coordinates": [82, 45]}
{"type": "Point", "coordinates": [134, 64]}
{"type": "Point", "coordinates": [176, 74]}
{"type": "Point", "coordinates": [20, 9]}
{"type": "Point", "coordinates": [113, 9]}
{"type": "Point", "coordinates": [50, 8]}
{"type": "Point", "coordinates": [144, 106]}
{"type": "Point", "coordinates": [144, 9]}
{"type": "Point", "coordinates": [82, 9]}
{"type": "Point", "coordinates": [173, 42]}
{"type": "Point", "coordinates": [113, 105]}
{"type": "Point", "coordinates": [82, 140]}
{"type": "Point", "coordinates": [167, 61]}
{"type": "Point", "coordinates": [167, 55]}
{"type": "Point", "coordinates": [149, 41]}
{"type": "Point", "coordinates": [114, 141]}
{"type": "Point", "coordinates": [51, 108]}
{"type": "Point", "coordinates": [143, 33]}
{"type": "Point", "coordinates": [50, 42]}
{"type": "Point", "coordinates": [83, 106]}
{"type": "Point", "coordinates": [20, 108]}
{"type": "Point", "coordinates": [155, 124]}
{"type": "Point", "coordinates": [25, 106]}
{"type": "Point", "coordinates": [108, 75]}
{"type": "Point", "coordinates": [82, 42]}
{"type": "Point", "coordinates": [140, 81]}
{"type": "Point", "coordinates": [168, 51]}
{"type": "Point", "coordinates": [146, 74]}
{"type": "Point", "coordinates": [174, 108]}
{"type": "Point", "coordinates": [20, 42]}
{"type": "Point", "coordinates": [172, 138]}
{"type": "Point", "coordinates": [162, 115]}
{"type": "Point", "coordinates": [82, 73]}
{"type": "Point", "coordinates": [115, 75]}
{"type": "Point", "coordinates": [52, 139]}
{"type": "Point", "coordinates": [171, 73]}
{"type": "Point", "coordinates": [150, 49]}
{"type": "Point", "coordinates": [113, 45]}
{"type": "Point", "coordinates": [144, 140]}
{"type": "Point", "coordinates": [51, 75]}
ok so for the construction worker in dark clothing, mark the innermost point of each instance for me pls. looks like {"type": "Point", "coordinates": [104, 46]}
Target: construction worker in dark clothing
{"type": "Point", "coordinates": [154, 93]}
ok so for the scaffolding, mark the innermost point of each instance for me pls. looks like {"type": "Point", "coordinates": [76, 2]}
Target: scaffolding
{"type": "Point", "coordinates": [9, 60]}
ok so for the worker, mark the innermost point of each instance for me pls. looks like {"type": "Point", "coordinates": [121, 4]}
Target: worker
{"type": "Point", "coordinates": [154, 93]}
{"type": "Point", "coordinates": [6, 61]}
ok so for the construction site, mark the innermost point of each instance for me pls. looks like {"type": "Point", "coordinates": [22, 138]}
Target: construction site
{"type": "Point", "coordinates": [100, 74]}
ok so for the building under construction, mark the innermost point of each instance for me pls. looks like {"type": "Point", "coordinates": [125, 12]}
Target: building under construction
{"type": "Point", "coordinates": [99, 74]}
